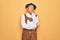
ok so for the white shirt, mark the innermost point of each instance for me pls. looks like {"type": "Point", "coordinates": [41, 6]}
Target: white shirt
{"type": "Point", "coordinates": [29, 24]}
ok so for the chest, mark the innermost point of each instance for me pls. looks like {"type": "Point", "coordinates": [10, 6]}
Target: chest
{"type": "Point", "coordinates": [29, 18]}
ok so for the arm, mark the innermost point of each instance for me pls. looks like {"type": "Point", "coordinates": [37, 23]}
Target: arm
{"type": "Point", "coordinates": [37, 22]}
{"type": "Point", "coordinates": [28, 25]}
{"type": "Point", "coordinates": [24, 25]}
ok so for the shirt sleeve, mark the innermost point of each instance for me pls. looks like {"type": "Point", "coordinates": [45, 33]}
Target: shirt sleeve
{"type": "Point", "coordinates": [36, 19]}
{"type": "Point", "coordinates": [35, 22]}
{"type": "Point", "coordinates": [24, 25]}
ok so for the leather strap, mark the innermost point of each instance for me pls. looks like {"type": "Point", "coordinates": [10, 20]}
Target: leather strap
{"type": "Point", "coordinates": [27, 18]}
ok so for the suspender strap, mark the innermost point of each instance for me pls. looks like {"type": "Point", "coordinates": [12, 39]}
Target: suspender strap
{"type": "Point", "coordinates": [27, 18]}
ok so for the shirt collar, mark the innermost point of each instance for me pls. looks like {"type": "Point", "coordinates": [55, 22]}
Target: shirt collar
{"type": "Point", "coordinates": [27, 14]}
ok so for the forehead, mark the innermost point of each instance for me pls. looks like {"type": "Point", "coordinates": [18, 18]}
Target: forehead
{"type": "Point", "coordinates": [30, 6]}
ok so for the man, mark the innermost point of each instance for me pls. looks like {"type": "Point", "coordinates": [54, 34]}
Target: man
{"type": "Point", "coordinates": [29, 22]}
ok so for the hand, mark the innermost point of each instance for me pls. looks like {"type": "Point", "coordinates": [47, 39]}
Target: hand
{"type": "Point", "coordinates": [37, 24]}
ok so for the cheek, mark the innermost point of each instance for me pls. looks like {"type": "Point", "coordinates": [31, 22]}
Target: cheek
{"type": "Point", "coordinates": [31, 9]}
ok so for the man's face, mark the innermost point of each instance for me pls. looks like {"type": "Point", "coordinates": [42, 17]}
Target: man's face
{"type": "Point", "coordinates": [30, 8]}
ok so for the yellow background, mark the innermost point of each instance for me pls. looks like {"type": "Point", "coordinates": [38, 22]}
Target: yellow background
{"type": "Point", "coordinates": [49, 18]}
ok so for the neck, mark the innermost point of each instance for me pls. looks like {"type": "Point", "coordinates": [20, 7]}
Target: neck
{"type": "Point", "coordinates": [30, 13]}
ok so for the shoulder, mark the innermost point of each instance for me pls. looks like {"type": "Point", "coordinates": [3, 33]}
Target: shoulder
{"type": "Point", "coordinates": [22, 15]}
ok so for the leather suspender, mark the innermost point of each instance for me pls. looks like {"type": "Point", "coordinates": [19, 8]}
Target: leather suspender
{"type": "Point", "coordinates": [27, 18]}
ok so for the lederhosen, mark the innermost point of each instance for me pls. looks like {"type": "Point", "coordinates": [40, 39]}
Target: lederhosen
{"type": "Point", "coordinates": [29, 34]}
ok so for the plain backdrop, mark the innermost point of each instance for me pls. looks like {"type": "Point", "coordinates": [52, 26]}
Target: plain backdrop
{"type": "Point", "coordinates": [48, 12]}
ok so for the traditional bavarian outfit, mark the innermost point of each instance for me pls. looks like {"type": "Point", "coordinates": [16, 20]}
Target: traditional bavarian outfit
{"type": "Point", "coordinates": [28, 22]}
